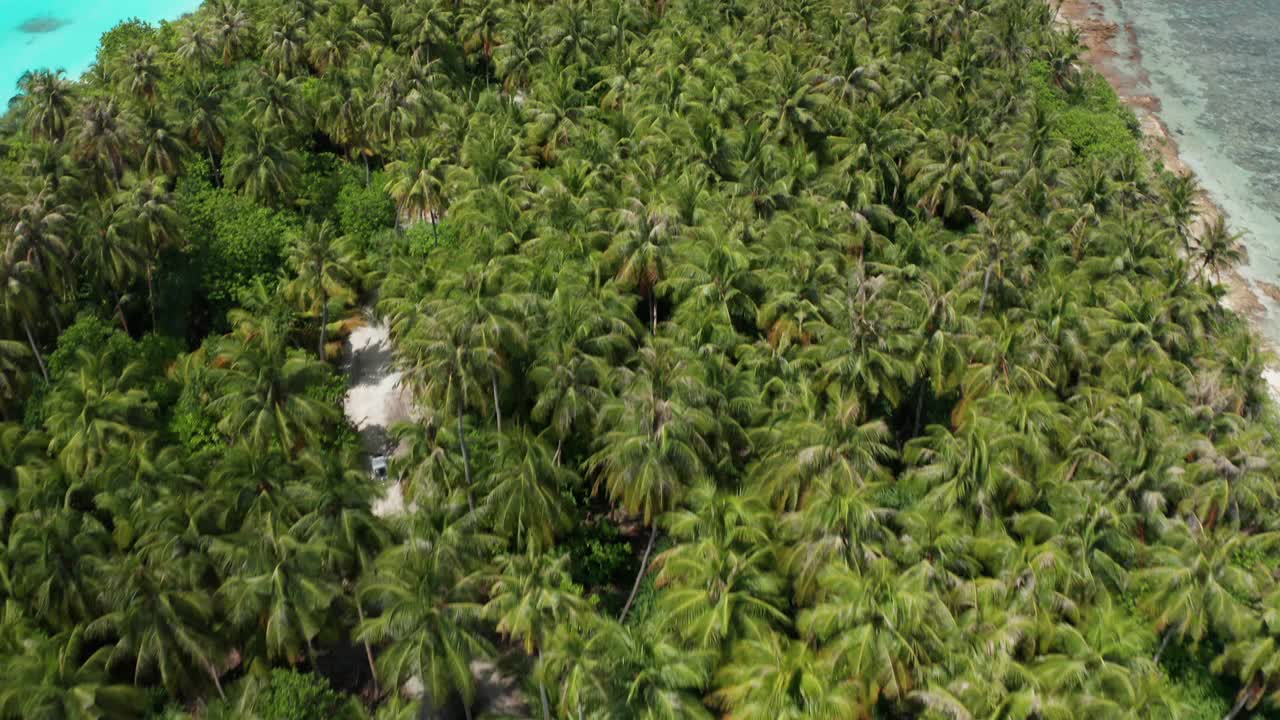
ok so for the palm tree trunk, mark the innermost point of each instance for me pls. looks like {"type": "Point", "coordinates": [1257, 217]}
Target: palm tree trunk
{"type": "Point", "coordinates": [653, 313]}
{"type": "Point", "coordinates": [546, 704]}
{"type": "Point", "coordinates": [324, 326]}
{"type": "Point", "coordinates": [986, 283]}
{"type": "Point", "coordinates": [368, 652]}
{"type": "Point", "coordinates": [435, 231]}
{"type": "Point", "coordinates": [1168, 635]}
{"type": "Point", "coordinates": [497, 407]}
{"type": "Point", "coordinates": [124, 323]}
{"type": "Point", "coordinates": [644, 565]}
{"type": "Point", "coordinates": [1240, 703]}
{"type": "Point", "coordinates": [151, 295]}
{"type": "Point", "coordinates": [217, 683]}
{"type": "Point", "coordinates": [919, 409]}
{"type": "Point", "coordinates": [36, 350]}
{"type": "Point", "coordinates": [466, 459]}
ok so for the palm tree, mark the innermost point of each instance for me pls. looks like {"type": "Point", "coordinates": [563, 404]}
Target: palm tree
{"type": "Point", "coordinates": [53, 679]}
{"type": "Point", "coordinates": [152, 217]}
{"type": "Point", "coordinates": [264, 399]}
{"type": "Point", "coordinates": [884, 625]}
{"type": "Point", "coordinates": [196, 46]}
{"type": "Point", "coordinates": [653, 444]}
{"type": "Point", "coordinates": [115, 256]}
{"type": "Point", "coordinates": [1255, 662]}
{"type": "Point", "coordinates": [40, 239]}
{"type": "Point", "coordinates": [283, 46]}
{"type": "Point", "coordinates": [530, 598]}
{"type": "Point", "coordinates": [162, 148]}
{"type": "Point", "coordinates": [428, 618]}
{"type": "Point", "coordinates": [717, 582]}
{"type": "Point", "coordinates": [159, 620]}
{"type": "Point", "coordinates": [324, 269]}
{"type": "Point", "coordinates": [198, 107]}
{"type": "Point", "coordinates": [95, 410]}
{"type": "Point", "coordinates": [416, 182]}
{"type": "Point", "coordinates": [777, 677]}
{"type": "Point", "coordinates": [232, 29]}
{"type": "Point", "coordinates": [54, 547]}
{"type": "Point", "coordinates": [47, 96]}
{"type": "Point", "coordinates": [275, 585]}
{"type": "Point", "coordinates": [1193, 584]}
{"type": "Point", "coordinates": [19, 299]}
{"type": "Point", "coordinates": [525, 499]}
{"type": "Point", "coordinates": [106, 139]}
{"type": "Point", "coordinates": [1218, 249]}
{"type": "Point", "coordinates": [262, 164]}
{"type": "Point", "coordinates": [143, 75]}
{"type": "Point", "coordinates": [642, 252]}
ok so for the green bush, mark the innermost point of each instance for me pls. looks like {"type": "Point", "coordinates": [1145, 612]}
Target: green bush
{"type": "Point", "coordinates": [1091, 118]}
{"type": "Point", "coordinates": [235, 239]}
{"type": "Point", "coordinates": [363, 211]}
{"type": "Point", "coordinates": [598, 554]}
{"type": "Point", "coordinates": [322, 180]}
{"type": "Point", "coordinates": [293, 695]}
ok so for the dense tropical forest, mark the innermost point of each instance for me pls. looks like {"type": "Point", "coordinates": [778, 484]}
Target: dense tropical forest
{"type": "Point", "coordinates": [769, 359]}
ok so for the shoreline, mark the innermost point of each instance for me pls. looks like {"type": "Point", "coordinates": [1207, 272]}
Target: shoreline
{"type": "Point", "coordinates": [1122, 69]}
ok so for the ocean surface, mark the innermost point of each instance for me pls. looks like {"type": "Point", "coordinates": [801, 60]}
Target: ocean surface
{"type": "Point", "coordinates": [1215, 67]}
{"type": "Point", "coordinates": [64, 33]}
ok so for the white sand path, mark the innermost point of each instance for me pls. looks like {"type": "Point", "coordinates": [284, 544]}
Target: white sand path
{"type": "Point", "coordinates": [375, 400]}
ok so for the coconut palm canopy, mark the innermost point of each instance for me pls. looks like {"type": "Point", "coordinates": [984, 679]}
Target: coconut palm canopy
{"type": "Point", "coordinates": [770, 359]}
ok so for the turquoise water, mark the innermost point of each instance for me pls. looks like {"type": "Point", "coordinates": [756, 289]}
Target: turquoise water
{"type": "Point", "coordinates": [64, 33]}
{"type": "Point", "coordinates": [1215, 66]}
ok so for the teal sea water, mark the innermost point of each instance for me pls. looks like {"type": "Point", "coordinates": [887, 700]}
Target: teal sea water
{"type": "Point", "coordinates": [64, 33]}
{"type": "Point", "coordinates": [1215, 67]}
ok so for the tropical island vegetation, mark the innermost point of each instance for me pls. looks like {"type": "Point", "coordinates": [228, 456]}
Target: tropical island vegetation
{"type": "Point", "coordinates": [770, 359]}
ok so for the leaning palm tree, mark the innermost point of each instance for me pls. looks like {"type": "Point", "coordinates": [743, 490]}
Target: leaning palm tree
{"type": "Point", "coordinates": [19, 301]}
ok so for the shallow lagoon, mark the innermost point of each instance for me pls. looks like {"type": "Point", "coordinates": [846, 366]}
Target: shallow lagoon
{"type": "Point", "coordinates": [64, 33]}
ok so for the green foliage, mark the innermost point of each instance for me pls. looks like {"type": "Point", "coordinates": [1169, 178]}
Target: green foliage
{"type": "Point", "coordinates": [364, 210]}
{"type": "Point", "coordinates": [123, 38]}
{"type": "Point", "coordinates": [91, 334]}
{"type": "Point", "coordinates": [1089, 117]}
{"type": "Point", "coordinates": [1205, 696]}
{"type": "Point", "coordinates": [236, 240]}
{"type": "Point", "coordinates": [293, 695]}
{"type": "Point", "coordinates": [320, 186]}
{"type": "Point", "coordinates": [599, 555]}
